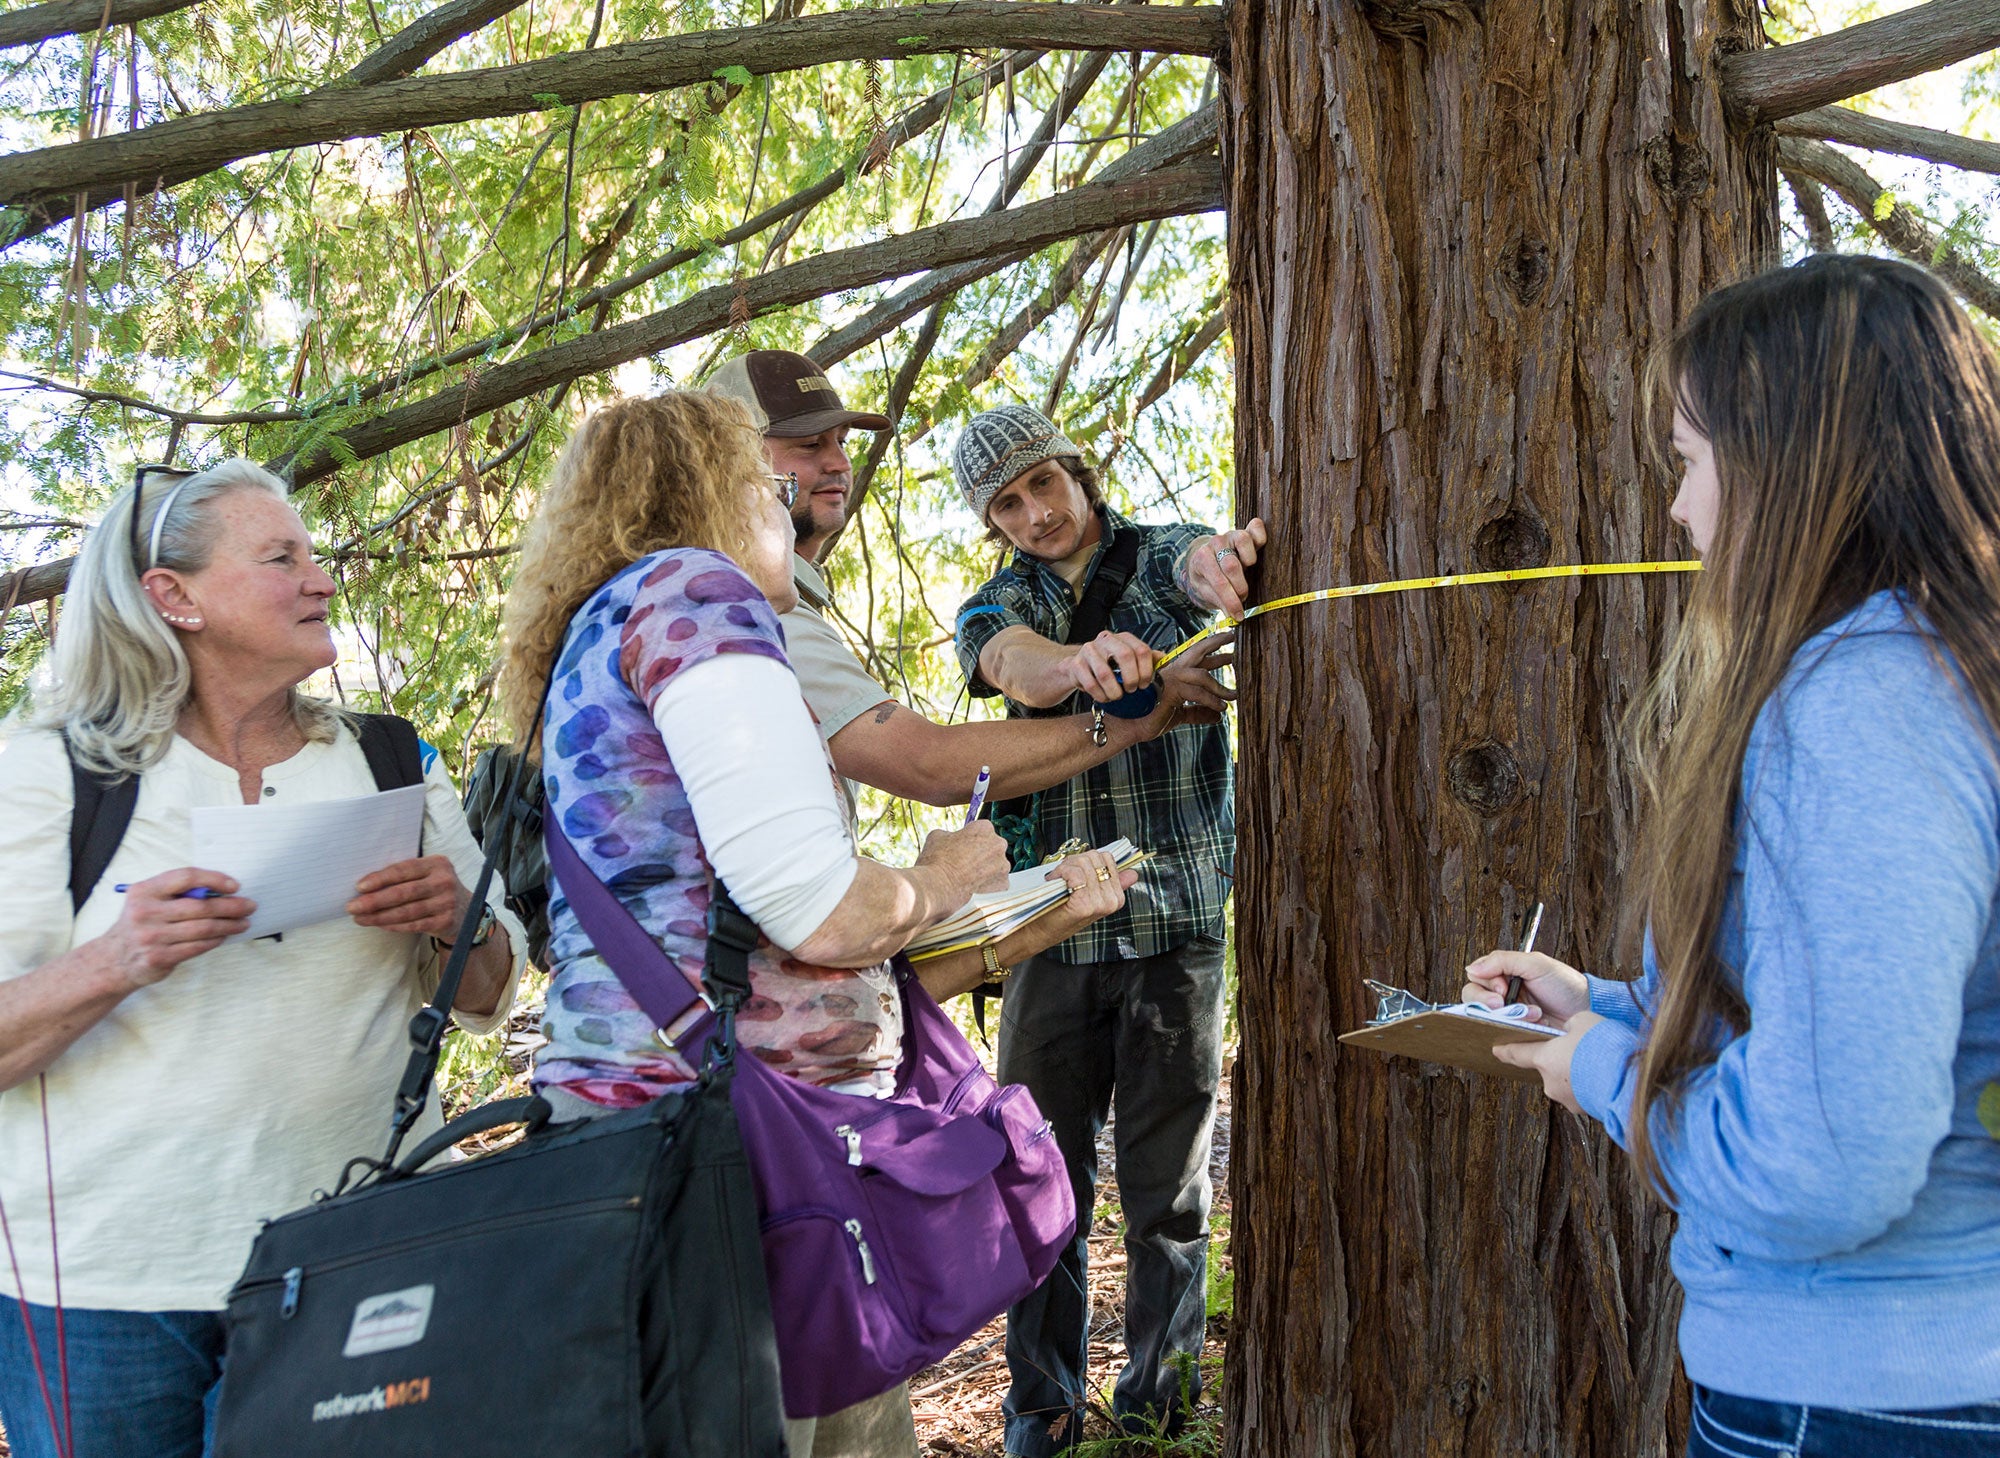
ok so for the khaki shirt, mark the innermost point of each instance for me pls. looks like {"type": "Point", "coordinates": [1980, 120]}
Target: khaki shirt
{"type": "Point", "coordinates": [838, 689]}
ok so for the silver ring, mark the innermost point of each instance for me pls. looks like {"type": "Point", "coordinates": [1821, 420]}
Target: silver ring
{"type": "Point", "coordinates": [1221, 552]}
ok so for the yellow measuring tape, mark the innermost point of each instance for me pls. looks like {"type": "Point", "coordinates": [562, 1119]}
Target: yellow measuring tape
{"type": "Point", "coordinates": [1418, 584]}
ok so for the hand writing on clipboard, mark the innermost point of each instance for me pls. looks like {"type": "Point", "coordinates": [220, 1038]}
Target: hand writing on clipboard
{"type": "Point", "coordinates": [1556, 993]}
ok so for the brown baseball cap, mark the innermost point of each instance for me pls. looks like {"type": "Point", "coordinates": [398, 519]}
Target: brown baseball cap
{"type": "Point", "coordinates": [787, 395]}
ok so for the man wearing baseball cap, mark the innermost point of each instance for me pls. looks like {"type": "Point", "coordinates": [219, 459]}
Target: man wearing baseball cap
{"type": "Point", "coordinates": [873, 738]}
{"type": "Point", "coordinates": [1079, 615]}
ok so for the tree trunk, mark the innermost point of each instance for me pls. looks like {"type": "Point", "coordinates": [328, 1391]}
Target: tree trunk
{"type": "Point", "coordinates": [1457, 233]}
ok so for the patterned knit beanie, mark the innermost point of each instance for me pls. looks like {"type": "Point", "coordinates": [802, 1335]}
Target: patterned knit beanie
{"type": "Point", "coordinates": [998, 446]}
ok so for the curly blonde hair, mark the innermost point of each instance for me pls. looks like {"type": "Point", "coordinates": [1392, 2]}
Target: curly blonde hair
{"type": "Point", "coordinates": [639, 476]}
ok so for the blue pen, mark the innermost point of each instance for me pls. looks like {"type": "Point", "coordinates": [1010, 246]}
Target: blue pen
{"type": "Point", "coordinates": [200, 893]}
{"type": "Point", "coordinates": [979, 793]}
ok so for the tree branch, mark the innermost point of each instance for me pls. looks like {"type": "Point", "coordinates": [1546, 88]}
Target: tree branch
{"type": "Point", "coordinates": [149, 407]}
{"type": "Point", "coordinates": [1190, 189]}
{"type": "Point", "coordinates": [1812, 208]}
{"type": "Point", "coordinates": [1900, 227]}
{"type": "Point", "coordinates": [31, 180]}
{"type": "Point", "coordinates": [38, 23]}
{"type": "Point", "coordinates": [1068, 98]}
{"type": "Point", "coordinates": [913, 123]}
{"type": "Point", "coordinates": [1878, 134]}
{"type": "Point", "coordinates": [1190, 137]}
{"type": "Point", "coordinates": [406, 50]}
{"type": "Point", "coordinates": [396, 57]}
{"type": "Point", "coordinates": [1782, 81]}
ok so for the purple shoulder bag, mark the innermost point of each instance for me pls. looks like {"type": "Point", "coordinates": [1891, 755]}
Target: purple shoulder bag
{"type": "Point", "coordinates": [893, 1228]}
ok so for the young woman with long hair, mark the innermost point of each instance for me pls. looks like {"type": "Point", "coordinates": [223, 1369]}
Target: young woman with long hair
{"type": "Point", "coordinates": [1808, 1069]}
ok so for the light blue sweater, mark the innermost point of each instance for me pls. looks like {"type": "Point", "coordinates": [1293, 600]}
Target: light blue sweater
{"type": "Point", "coordinates": [1839, 1194]}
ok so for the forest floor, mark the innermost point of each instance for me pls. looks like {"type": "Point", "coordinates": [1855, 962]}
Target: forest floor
{"type": "Point", "coordinates": [958, 1401]}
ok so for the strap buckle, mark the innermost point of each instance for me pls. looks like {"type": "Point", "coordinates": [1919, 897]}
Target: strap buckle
{"type": "Point", "coordinates": [427, 1029]}
{"type": "Point", "coordinates": [727, 924]}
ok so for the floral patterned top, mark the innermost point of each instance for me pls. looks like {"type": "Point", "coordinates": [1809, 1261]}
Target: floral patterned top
{"type": "Point", "coordinates": [612, 783]}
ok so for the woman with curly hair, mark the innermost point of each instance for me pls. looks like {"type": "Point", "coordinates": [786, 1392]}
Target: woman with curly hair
{"type": "Point", "coordinates": [676, 742]}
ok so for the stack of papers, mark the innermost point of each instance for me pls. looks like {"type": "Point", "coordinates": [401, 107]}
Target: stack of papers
{"type": "Point", "coordinates": [994, 914]}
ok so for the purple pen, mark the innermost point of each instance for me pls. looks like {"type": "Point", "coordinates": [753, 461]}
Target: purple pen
{"type": "Point", "coordinates": [200, 893]}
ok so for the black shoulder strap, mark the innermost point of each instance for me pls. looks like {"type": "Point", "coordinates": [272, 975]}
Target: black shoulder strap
{"type": "Point", "coordinates": [101, 810]}
{"type": "Point", "coordinates": [1093, 612]}
{"type": "Point", "coordinates": [395, 757]}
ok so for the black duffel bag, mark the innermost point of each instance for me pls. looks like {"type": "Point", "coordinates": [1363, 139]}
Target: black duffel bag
{"type": "Point", "coordinates": [596, 1290]}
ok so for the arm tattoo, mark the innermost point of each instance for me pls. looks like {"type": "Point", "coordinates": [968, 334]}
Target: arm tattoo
{"type": "Point", "coordinates": [882, 714]}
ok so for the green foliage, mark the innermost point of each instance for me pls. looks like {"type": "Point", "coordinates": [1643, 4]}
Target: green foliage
{"type": "Point", "coordinates": [291, 297]}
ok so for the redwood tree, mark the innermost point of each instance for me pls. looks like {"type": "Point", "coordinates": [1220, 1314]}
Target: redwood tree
{"type": "Point", "coordinates": [1457, 232]}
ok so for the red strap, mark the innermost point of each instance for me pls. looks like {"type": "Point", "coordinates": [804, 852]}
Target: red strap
{"type": "Point", "coordinates": [62, 1431]}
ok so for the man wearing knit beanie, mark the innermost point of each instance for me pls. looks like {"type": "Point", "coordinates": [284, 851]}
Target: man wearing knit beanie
{"type": "Point", "coordinates": [874, 739]}
{"type": "Point", "coordinates": [1078, 617]}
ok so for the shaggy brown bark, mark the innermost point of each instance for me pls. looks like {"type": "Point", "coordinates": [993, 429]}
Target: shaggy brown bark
{"type": "Point", "coordinates": [1455, 237]}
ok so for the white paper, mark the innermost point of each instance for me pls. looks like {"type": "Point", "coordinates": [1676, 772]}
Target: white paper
{"type": "Point", "coordinates": [300, 863]}
{"type": "Point", "coordinates": [1513, 1016]}
{"type": "Point", "coordinates": [990, 915]}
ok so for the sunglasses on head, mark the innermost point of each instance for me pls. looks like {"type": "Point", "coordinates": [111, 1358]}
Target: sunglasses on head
{"type": "Point", "coordinates": [787, 487]}
{"type": "Point", "coordinates": [150, 558]}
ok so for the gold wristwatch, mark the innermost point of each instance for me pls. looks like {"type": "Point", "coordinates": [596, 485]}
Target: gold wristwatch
{"type": "Point", "coordinates": [994, 971]}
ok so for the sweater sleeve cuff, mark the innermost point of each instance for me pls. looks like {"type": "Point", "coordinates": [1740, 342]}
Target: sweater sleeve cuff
{"type": "Point", "coordinates": [1612, 999]}
{"type": "Point", "coordinates": [1600, 1073]}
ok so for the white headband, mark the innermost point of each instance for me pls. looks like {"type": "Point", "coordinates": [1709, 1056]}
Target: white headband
{"type": "Point", "coordinates": [160, 520]}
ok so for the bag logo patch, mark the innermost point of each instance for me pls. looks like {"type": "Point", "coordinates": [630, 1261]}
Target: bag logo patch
{"type": "Point", "coordinates": [378, 1399]}
{"type": "Point", "coordinates": [391, 1320]}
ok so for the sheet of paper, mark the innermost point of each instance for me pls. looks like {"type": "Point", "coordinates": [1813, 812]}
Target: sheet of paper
{"type": "Point", "coordinates": [990, 915]}
{"type": "Point", "coordinates": [300, 863]}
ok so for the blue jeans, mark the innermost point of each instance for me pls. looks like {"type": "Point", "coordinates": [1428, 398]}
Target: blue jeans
{"type": "Point", "coordinates": [142, 1384]}
{"type": "Point", "coordinates": [1747, 1427]}
{"type": "Point", "coordinates": [1147, 1032]}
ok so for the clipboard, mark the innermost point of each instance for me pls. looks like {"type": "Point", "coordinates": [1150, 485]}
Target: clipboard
{"type": "Point", "coordinates": [1413, 1028]}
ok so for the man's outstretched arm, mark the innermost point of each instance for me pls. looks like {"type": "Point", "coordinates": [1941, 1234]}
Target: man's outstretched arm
{"type": "Point", "coordinates": [898, 750]}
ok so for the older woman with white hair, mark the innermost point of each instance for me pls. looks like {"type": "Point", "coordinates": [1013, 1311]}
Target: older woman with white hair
{"type": "Point", "coordinates": [168, 1081]}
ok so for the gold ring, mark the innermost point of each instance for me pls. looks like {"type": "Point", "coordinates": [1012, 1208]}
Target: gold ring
{"type": "Point", "coordinates": [1102, 874]}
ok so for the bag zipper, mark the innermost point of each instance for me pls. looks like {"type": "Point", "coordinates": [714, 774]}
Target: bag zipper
{"type": "Point", "coordinates": [853, 1137]}
{"type": "Point", "coordinates": [959, 1090]}
{"type": "Point", "coordinates": [847, 1222]}
{"type": "Point", "coordinates": [293, 1280]}
{"type": "Point", "coordinates": [853, 1228]}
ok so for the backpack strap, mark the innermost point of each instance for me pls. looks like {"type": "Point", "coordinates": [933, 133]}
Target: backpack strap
{"type": "Point", "coordinates": [395, 755]}
{"type": "Point", "coordinates": [1093, 611]}
{"type": "Point", "coordinates": [101, 810]}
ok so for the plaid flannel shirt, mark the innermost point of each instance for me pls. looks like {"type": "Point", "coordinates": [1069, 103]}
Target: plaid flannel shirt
{"type": "Point", "coordinates": [1174, 795]}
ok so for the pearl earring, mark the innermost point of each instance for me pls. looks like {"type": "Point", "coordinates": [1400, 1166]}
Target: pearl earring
{"type": "Point", "coordinates": [187, 622]}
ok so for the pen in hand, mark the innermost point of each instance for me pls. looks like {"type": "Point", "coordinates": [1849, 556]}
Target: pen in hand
{"type": "Point", "coordinates": [1527, 945]}
{"type": "Point", "coordinates": [199, 893]}
{"type": "Point", "coordinates": [979, 793]}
